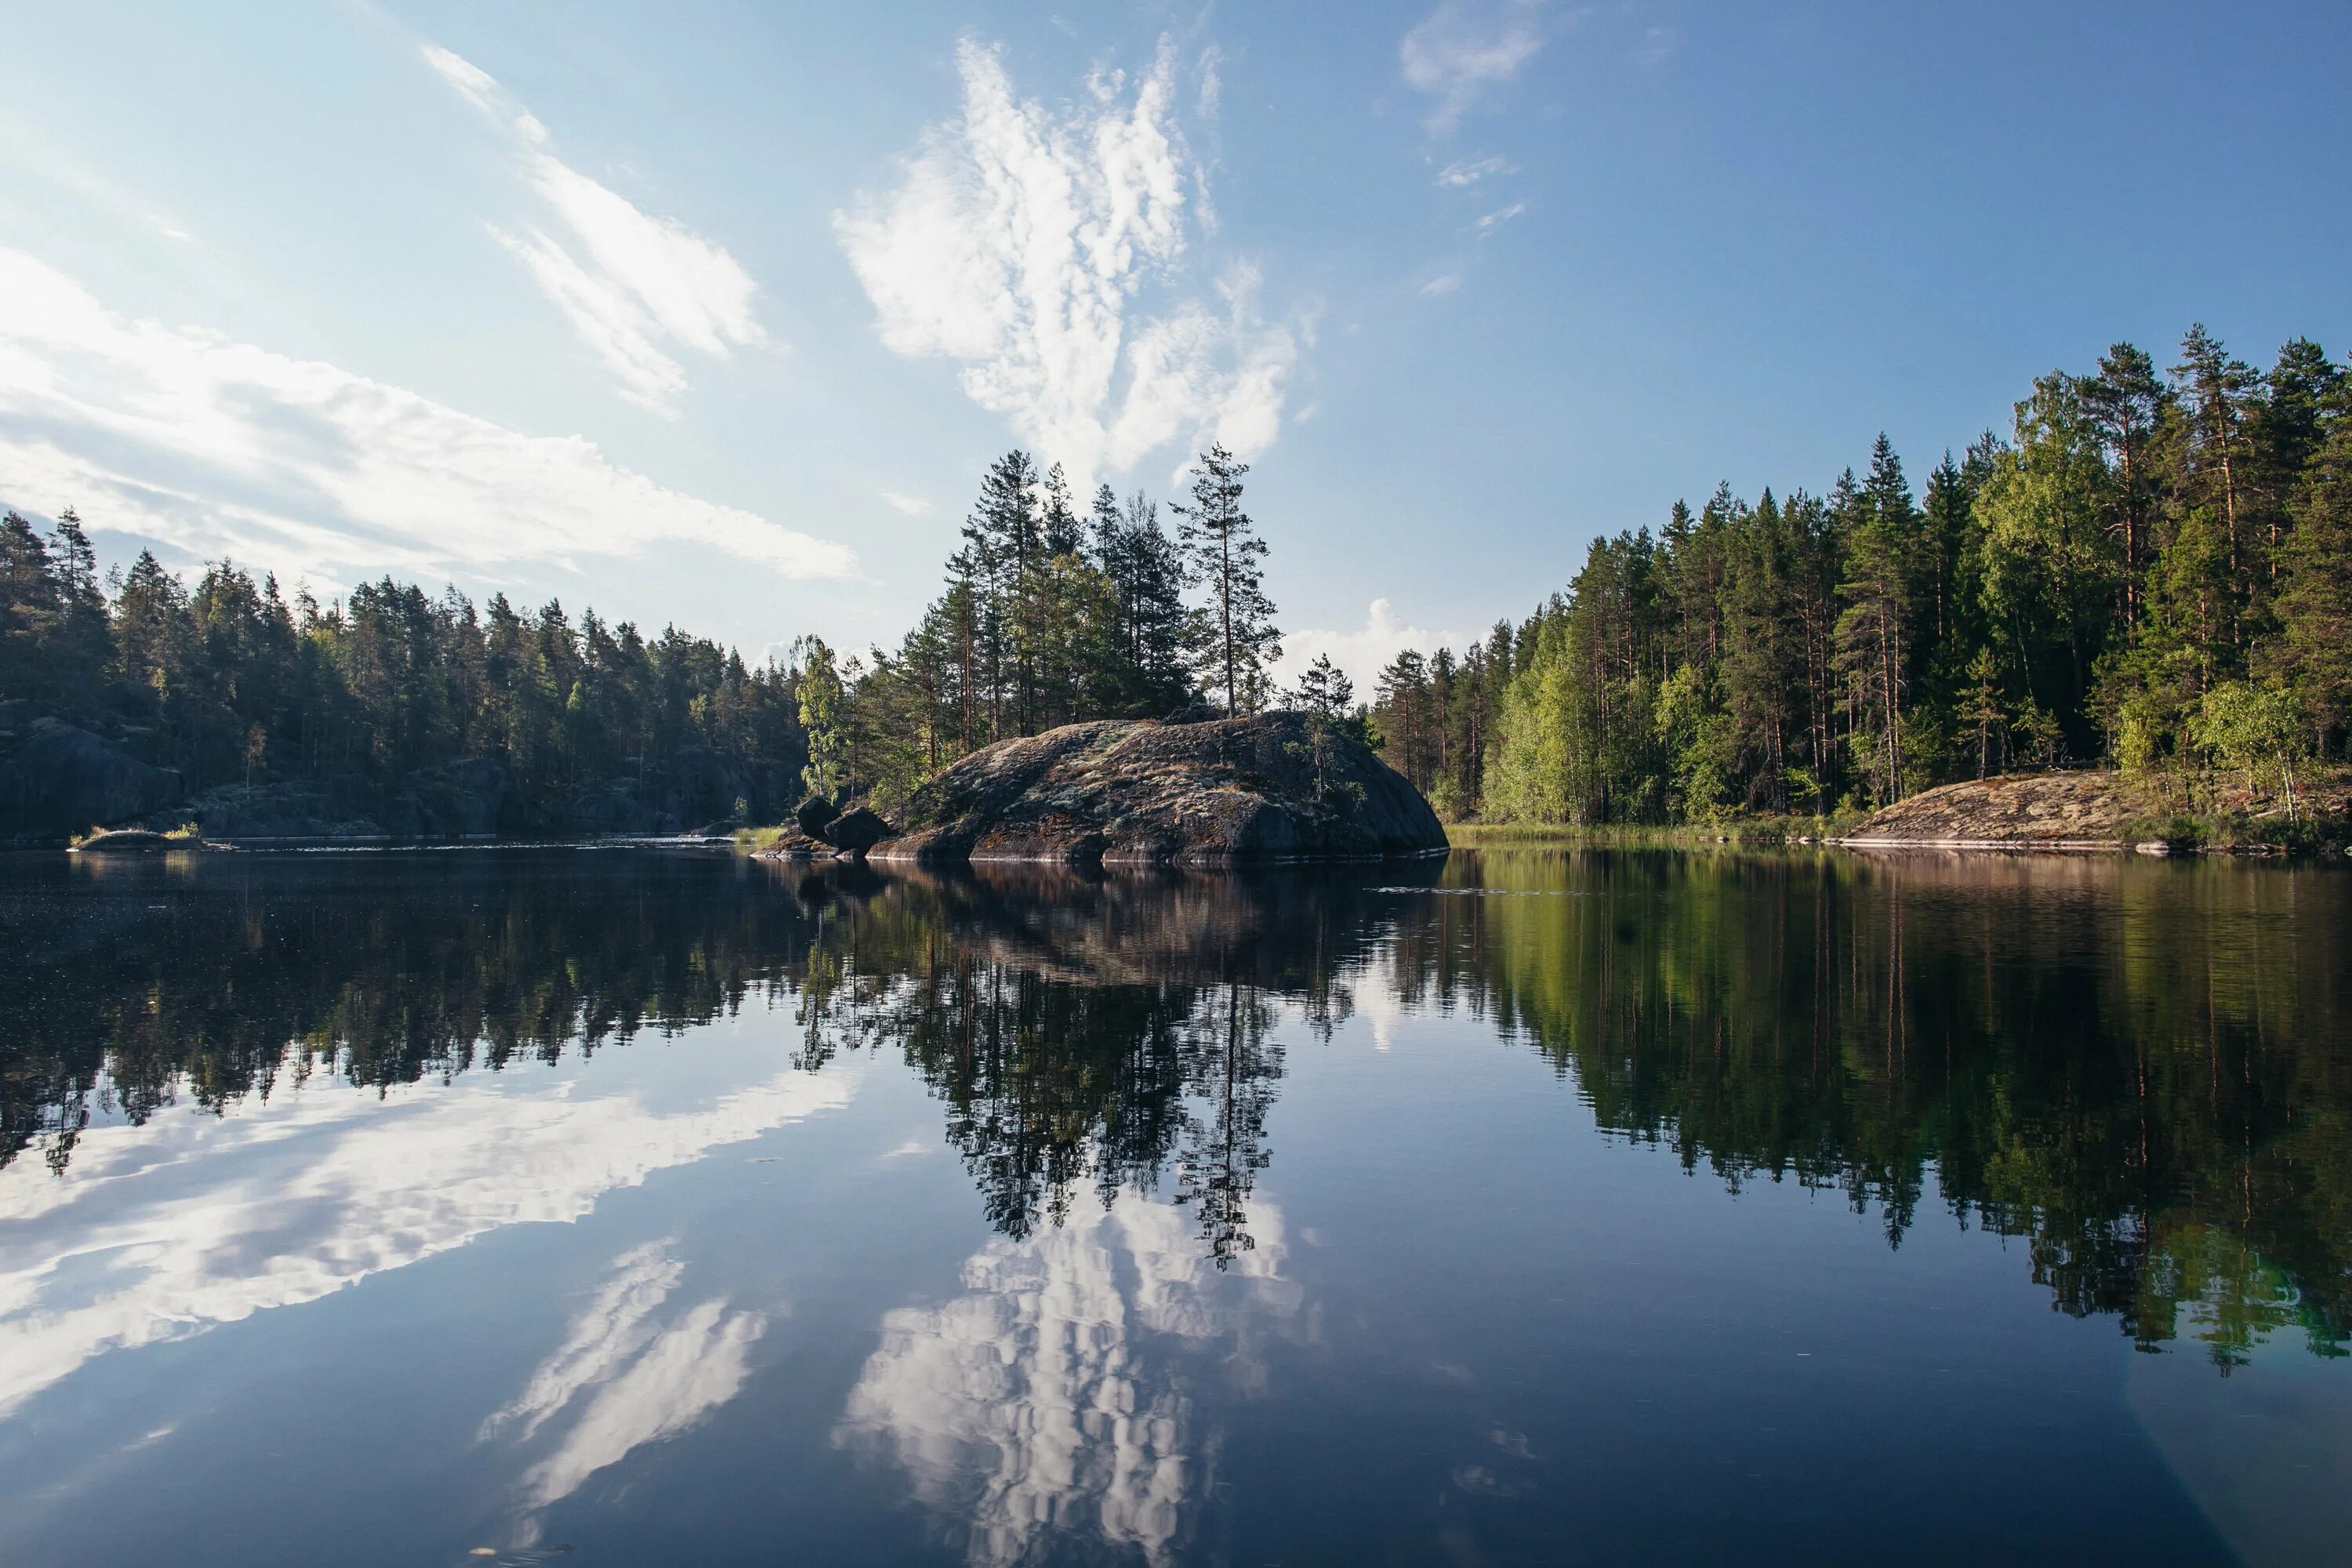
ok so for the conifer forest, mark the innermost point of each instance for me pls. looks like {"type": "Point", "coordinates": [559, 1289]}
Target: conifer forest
{"type": "Point", "coordinates": [2149, 568]}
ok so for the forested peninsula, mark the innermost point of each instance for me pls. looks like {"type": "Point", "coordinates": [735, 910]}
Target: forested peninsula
{"type": "Point", "coordinates": [2150, 571]}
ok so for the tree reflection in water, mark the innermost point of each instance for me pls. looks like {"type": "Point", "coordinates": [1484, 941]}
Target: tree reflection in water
{"type": "Point", "coordinates": [2140, 1070]}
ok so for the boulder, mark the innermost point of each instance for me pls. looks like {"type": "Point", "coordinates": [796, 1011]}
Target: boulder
{"type": "Point", "coordinates": [62, 780]}
{"type": "Point", "coordinates": [1275, 787]}
{"type": "Point", "coordinates": [801, 846]}
{"type": "Point", "coordinates": [857, 829]}
{"type": "Point", "coordinates": [814, 813]}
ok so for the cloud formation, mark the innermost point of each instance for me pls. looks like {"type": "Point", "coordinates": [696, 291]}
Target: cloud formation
{"type": "Point", "coordinates": [1362, 653]}
{"type": "Point", "coordinates": [1492, 221]}
{"type": "Point", "coordinates": [1020, 241]}
{"type": "Point", "coordinates": [630, 284]}
{"type": "Point", "coordinates": [1465, 47]}
{"type": "Point", "coordinates": [1470, 171]}
{"type": "Point", "coordinates": [214, 447]}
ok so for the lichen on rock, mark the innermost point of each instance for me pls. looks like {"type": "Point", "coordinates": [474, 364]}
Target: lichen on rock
{"type": "Point", "coordinates": [1273, 787]}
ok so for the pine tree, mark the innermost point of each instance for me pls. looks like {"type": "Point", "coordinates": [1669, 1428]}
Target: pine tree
{"type": "Point", "coordinates": [30, 611]}
{"type": "Point", "coordinates": [1876, 630]}
{"type": "Point", "coordinates": [2126, 403]}
{"type": "Point", "coordinates": [1235, 643]}
{"type": "Point", "coordinates": [2217, 393]}
{"type": "Point", "coordinates": [999, 560]}
{"type": "Point", "coordinates": [1323, 690]}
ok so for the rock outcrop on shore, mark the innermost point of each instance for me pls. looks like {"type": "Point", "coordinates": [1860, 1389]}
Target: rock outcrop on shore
{"type": "Point", "coordinates": [57, 779]}
{"type": "Point", "coordinates": [1273, 787]}
{"type": "Point", "coordinates": [2083, 810]}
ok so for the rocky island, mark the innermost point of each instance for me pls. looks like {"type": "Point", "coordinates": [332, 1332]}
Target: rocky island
{"type": "Point", "coordinates": [1271, 788]}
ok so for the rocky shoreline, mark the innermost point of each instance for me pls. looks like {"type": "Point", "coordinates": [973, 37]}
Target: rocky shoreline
{"type": "Point", "coordinates": [2091, 810]}
{"type": "Point", "coordinates": [1269, 789]}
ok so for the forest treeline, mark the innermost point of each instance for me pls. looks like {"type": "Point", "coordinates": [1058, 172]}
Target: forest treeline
{"type": "Point", "coordinates": [1049, 616]}
{"type": "Point", "coordinates": [2150, 570]}
{"type": "Point", "coordinates": [231, 683]}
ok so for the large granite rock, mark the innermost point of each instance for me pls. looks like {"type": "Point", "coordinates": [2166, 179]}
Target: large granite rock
{"type": "Point", "coordinates": [1235, 790]}
{"type": "Point", "coordinates": [60, 780]}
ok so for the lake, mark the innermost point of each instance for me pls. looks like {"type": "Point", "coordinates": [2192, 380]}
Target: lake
{"type": "Point", "coordinates": [1528, 1205]}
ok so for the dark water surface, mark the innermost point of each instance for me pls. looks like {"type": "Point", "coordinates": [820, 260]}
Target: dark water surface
{"type": "Point", "coordinates": [612, 1207]}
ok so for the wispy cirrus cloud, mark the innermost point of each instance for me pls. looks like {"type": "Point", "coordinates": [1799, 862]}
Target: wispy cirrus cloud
{"type": "Point", "coordinates": [1044, 250]}
{"type": "Point", "coordinates": [1489, 221]}
{"type": "Point", "coordinates": [1466, 48]}
{"type": "Point", "coordinates": [212, 447]}
{"type": "Point", "coordinates": [631, 284]}
{"type": "Point", "coordinates": [912, 506]}
{"type": "Point", "coordinates": [1469, 172]}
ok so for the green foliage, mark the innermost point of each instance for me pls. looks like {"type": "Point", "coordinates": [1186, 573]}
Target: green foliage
{"type": "Point", "coordinates": [822, 719]}
{"type": "Point", "coordinates": [1049, 617]}
{"type": "Point", "coordinates": [2261, 734]}
{"type": "Point", "coordinates": [2077, 590]}
{"type": "Point", "coordinates": [230, 683]}
{"type": "Point", "coordinates": [1235, 644]}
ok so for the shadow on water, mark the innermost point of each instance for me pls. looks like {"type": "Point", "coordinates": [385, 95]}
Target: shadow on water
{"type": "Point", "coordinates": [2139, 1070]}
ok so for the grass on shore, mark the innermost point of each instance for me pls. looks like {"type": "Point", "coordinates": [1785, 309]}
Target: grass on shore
{"type": "Point", "coordinates": [1766, 830]}
{"type": "Point", "coordinates": [2233, 832]}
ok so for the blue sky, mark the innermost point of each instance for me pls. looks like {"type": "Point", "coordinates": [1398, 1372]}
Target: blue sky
{"type": "Point", "coordinates": [716, 316]}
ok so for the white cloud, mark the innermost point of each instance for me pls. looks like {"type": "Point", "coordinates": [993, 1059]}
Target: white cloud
{"type": "Point", "coordinates": [913, 506]}
{"type": "Point", "coordinates": [1444, 283]}
{"type": "Point", "coordinates": [1471, 171]}
{"type": "Point", "coordinates": [212, 447]}
{"type": "Point", "coordinates": [1495, 220]}
{"type": "Point", "coordinates": [643, 278]}
{"type": "Point", "coordinates": [1465, 47]}
{"type": "Point", "coordinates": [1018, 241]}
{"type": "Point", "coordinates": [1361, 654]}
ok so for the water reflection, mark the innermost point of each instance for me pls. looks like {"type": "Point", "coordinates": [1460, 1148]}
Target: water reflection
{"type": "Point", "coordinates": [1049, 1399]}
{"type": "Point", "coordinates": [638, 1378]}
{"type": "Point", "coordinates": [2139, 1070]}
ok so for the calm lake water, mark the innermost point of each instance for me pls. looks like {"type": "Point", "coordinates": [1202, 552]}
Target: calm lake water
{"type": "Point", "coordinates": [630, 1207]}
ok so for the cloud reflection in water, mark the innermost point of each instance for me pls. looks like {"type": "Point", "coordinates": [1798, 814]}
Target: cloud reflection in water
{"type": "Point", "coordinates": [1037, 1402]}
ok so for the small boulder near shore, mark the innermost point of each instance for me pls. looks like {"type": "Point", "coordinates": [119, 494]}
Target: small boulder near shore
{"type": "Point", "coordinates": [1273, 787]}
